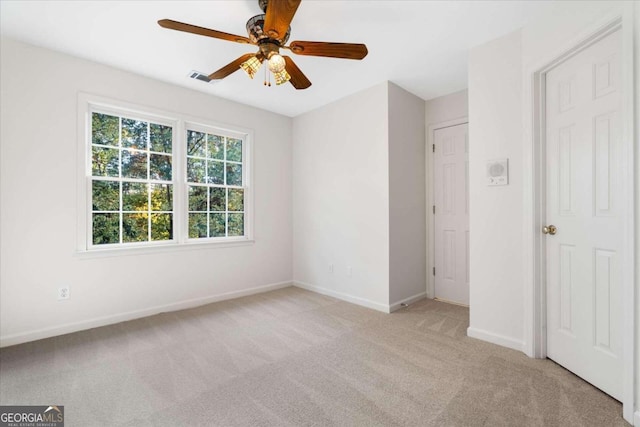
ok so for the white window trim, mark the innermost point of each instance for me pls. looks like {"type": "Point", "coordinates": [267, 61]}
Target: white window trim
{"type": "Point", "coordinates": [181, 241]}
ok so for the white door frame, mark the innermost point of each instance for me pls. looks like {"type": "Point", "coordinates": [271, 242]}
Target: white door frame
{"type": "Point", "coordinates": [534, 197]}
{"type": "Point", "coordinates": [431, 225]}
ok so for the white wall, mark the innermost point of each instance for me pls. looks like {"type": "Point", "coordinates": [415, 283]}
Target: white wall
{"type": "Point", "coordinates": [495, 104]}
{"type": "Point", "coordinates": [496, 111]}
{"type": "Point", "coordinates": [341, 198]}
{"type": "Point", "coordinates": [38, 202]}
{"type": "Point", "coordinates": [495, 241]}
{"type": "Point", "coordinates": [566, 22]}
{"type": "Point", "coordinates": [407, 204]}
{"type": "Point", "coordinates": [448, 107]}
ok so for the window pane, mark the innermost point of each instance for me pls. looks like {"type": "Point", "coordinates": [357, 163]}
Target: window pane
{"type": "Point", "coordinates": [160, 138]}
{"type": "Point", "coordinates": [161, 197]}
{"type": "Point", "coordinates": [106, 228]}
{"type": "Point", "coordinates": [134, 134]}
{"type": "Point", "coordinates": [236, 200]}
{"type": "Point", "coordinates": [217, 201]}
{"type": "Point", "coordinates": [234, 174]}
{"type": "Point", "coordinates": [196, 143]}
{"type": "Point", "coordinates": [134, 164]}
{"type": "Point", "coordinates": [105, 195]}
{"type": "Point", "coordinates": [198, 199]}
{"type": "Point", "coordinates": [134, 196]}
{"type": "Point", "coordinates": [104, 161]}
{"type": "Point", "coordinates": [234, 149]}
{"type": "Point", "coordinates": [161, 227]}
{"type": "Point", "coordinates": [236, 224]}
{"type": "Point", "coordinates": [195, 170]}
{"type": "Point", "coordinates": [132, 190]}
{"type": "Point", "coordinates": [160, 167]}
{"type": "Point", "coordinates": [104, 129]}
{"type": "Point", "coordinates": [215, 147]}
{"type": "Point", "coordinates": [215, 174]}
{"type": "Point", "coordinates": [197, 225]}
{"type": "Point", "coordinates": [217, 225]}
{"type": "Point", "coordinates": [135, 227]}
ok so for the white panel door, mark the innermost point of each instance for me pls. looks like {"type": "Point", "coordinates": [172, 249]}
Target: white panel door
{"type": "Point", "coordinates": [584, 297]}
{"type": "Point", "coordinates": [451, 197]}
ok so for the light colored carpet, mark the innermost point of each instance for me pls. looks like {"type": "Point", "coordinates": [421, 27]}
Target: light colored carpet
{"type": "Point", "coordinates": [295, 358]}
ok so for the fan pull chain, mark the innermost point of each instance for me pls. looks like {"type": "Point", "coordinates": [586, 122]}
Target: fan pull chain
{"type": "Point", "coordinates": [267, 77]}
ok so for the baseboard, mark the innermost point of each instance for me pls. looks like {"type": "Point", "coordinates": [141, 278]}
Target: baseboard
{"type": "Point", "coordinates": [495, 338]}
{"type": "Point", "coordinates": [446, 301]}
{"type": "Point", "coordinates": [67, 328]}
{"type": "Point", "coordinates": [636, 419]}
{"type": "Point", "coordinates": [342, 296]}
{"type": "Point", "coordinates": [397, 305]}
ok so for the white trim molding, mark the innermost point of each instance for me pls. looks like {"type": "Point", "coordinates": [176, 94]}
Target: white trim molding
{"type": "Point", "coordinates": [398, 305]}
{"type": "Point", "coordinates": [493, 338]}
{"type": "Point", "coordinates": [96, 322]}
{"type": "Point", "coordinates": [384, 308]}
{"type": "Point", "coordinates": [431, 262]}
{"type": "Point", "coordinates": [533, 202]}
{"type": "Point", "coordinates": [342, 296]}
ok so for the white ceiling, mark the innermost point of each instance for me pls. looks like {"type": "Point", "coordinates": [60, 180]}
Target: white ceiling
{"type": "Point", "coordinates": [420, 45]}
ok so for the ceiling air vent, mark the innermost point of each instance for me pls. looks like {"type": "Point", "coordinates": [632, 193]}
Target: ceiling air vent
{"type": "Point", "coordinates": [199, 76]}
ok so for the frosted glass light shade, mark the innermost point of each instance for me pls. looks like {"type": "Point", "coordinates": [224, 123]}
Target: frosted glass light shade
{"type": "Point", "coordinates": [276, 63]}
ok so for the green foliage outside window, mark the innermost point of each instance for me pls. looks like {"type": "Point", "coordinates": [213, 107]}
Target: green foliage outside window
{"type": "Point", "coordinates": [214, 169]}
{"type": "Point", "coordinates": [132, 192]}
{"type": "Point", "coordinates": [132, 182]}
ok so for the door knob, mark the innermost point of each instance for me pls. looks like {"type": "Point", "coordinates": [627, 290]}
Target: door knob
{"type": "Point", "coordinates": [549, 229]}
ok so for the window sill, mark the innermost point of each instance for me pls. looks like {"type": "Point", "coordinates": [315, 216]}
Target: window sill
{"type": "Point", "coordinates": [158, 249]}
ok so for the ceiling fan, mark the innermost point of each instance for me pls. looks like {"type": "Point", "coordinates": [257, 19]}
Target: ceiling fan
{"type": "Point", "coordinates": [270, 32]}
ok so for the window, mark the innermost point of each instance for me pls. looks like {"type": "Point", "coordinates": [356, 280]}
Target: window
{"type": "Point", "coordinates": [131, 180]}
{"type": "Point", "coordinates": [215, 182]}
{"type": "Point", "coordinates": [156, 180]}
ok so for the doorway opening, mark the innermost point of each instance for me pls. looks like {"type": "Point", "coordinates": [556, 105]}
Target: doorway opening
{"type": "Point", "coordinates": [552, 153]}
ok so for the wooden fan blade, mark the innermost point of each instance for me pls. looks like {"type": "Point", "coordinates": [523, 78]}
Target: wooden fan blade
{"type": "Point", "coordinates": [230, 68]}
{"type": "Point", "coordinates": [278, 17]}
{"type": "Point", "coordinates": [188, 28]}
{"type": "Point", "coordinates": [298, 79]}
{"type": "Point", "coordinates": [333, 50]}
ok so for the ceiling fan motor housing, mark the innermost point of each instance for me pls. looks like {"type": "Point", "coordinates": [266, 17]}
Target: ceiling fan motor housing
{"type": "Point", "coordinates": [255, 29]}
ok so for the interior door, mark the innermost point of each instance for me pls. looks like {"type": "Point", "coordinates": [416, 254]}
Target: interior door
{"type": "Point", "coordinates": [451, 196]}
{"type": "Point", "coordinates": [583, 203]}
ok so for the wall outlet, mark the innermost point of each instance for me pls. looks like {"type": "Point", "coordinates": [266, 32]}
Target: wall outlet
{"type": "Point", "coordinates": [349, 271]}
{"type": "Point", "coordinates": [63, 293]}
{"type": "Point", "coordinates": [330, 268]}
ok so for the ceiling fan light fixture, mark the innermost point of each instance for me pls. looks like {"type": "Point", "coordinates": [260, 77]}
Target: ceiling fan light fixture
{"type": "Point", "coordinates": [269, 32]}
{"type": "Point", "coordinates": [281, 77]}
{"type": "Point", "coordinates": [276, 63]}
{"type": "Point", "coordinates": [251, 66]}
